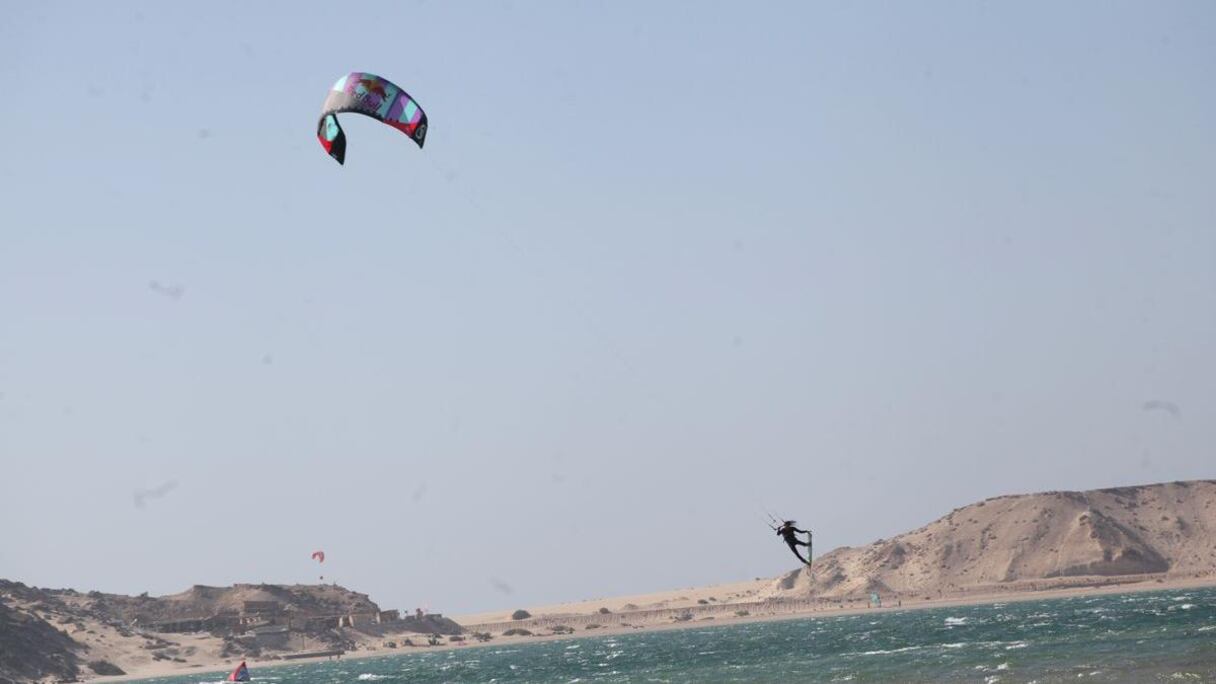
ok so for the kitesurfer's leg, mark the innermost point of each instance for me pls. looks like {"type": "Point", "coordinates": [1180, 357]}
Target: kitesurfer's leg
{"type": "Point", "coordinates": [796, 553]}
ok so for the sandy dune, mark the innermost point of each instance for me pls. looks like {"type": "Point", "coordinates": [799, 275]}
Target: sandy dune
{"type": "Point", "coordinates": [1030, 542]}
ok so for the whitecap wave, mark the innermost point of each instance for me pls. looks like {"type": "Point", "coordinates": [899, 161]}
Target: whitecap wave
{"type": "Point", "coordinates": [905, 649]}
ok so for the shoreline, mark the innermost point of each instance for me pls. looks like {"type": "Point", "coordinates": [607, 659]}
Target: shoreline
{"type": "Point", "coordinates": [223, 668]}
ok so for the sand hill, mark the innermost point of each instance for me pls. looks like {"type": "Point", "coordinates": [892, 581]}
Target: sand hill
{"type": "Point", "coordinates": [62, 634]}
{"type": "Point", "coordinates": [1030, 542]}
{"type": "Point", "coordinates": [30, 648]}
{"type": "Point", "coordinates": [202, 601]}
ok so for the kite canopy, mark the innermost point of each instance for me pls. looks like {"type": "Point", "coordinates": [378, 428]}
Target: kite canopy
{"type": "Point", "coordinates": [318, 556]}
{"type": "Point", "coordinates": [370, 95]}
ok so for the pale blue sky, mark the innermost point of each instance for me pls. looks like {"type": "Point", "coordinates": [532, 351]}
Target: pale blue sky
{"type": "Point", "coordinates": [659, 266]}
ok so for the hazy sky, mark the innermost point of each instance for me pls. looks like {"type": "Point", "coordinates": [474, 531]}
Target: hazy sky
{"type": "Point", "coordinates": [660, 267]}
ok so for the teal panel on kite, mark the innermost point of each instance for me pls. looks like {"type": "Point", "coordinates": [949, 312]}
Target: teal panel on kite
{"type": "Point", "coordinates": [370, 95]}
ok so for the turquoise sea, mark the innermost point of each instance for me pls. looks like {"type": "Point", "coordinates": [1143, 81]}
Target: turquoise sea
{"type": "Point", "coordinates": [1165, 636]}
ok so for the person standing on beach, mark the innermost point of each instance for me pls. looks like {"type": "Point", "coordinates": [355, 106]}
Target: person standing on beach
{"type": "Point", "coordinates": [789, 533]}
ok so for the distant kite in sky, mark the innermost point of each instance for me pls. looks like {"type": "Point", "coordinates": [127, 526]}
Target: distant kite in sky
{"type": "Point", "coordinates": [142, 495]}
{"type": "Point", "coordinates": [372, 96]}
{"type": "Point", "coordinates": [1163, 405]}
{"type": "Point", "coordinates": [319, 556]}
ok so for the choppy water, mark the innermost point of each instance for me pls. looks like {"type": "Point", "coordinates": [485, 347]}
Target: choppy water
{"type": "Point", "coordinates": [1163, 636]}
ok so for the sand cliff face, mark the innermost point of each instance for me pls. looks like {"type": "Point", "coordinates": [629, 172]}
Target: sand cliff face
{"type": "Point", "coordinates": [31, 648]}
{"type": "Point", "coordinates": [1161, 529]}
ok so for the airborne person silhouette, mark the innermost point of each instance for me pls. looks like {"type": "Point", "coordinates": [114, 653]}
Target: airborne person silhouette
{"type": "Point", "coordinates": [789, 533]}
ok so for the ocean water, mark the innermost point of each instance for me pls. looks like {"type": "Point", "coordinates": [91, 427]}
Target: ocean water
{"type": "Point", "coordinates": [1165, 636]}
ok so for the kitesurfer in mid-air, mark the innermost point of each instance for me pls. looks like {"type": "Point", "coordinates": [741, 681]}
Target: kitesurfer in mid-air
{"type": "Point", "coordinates": [789, 533]}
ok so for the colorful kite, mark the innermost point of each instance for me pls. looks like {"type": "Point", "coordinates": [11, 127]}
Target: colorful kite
{"type": "Point", "coordinates": [372, 96]}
